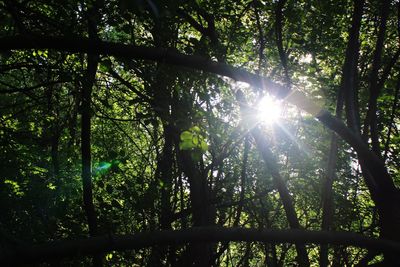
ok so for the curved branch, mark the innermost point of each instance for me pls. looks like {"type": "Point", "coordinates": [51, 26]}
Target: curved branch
{"type": "Point", "coordinates": [376, 166]}
{"type": "Point", "coordinates": [100, 244]}
{"type": "Point", "coordinates": [168, 56]}
{"type": "Point", "coordinates": [350, 70]}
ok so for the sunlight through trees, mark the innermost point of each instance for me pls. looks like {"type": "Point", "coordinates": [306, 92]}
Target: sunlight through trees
{"type": "Point", "coordinates": [199, 133]}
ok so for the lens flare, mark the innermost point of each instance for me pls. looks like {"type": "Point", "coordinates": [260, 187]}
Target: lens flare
{"type": "Point", "coordinates": [268, 110]}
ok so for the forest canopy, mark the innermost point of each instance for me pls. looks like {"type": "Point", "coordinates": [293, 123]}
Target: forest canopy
{"type": "Point", "coordinates": [199, 133]}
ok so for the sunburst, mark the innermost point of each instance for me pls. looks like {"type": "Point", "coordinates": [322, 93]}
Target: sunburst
{"type": "Point", "coordinates": [269, 110]}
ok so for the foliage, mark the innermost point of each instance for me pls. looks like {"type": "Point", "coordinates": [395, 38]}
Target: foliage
{"type": "Point", "coordinates": [170, 146]}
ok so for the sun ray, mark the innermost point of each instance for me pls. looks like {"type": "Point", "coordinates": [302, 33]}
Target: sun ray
{"type": "Point", "coordinates": [269, 110]}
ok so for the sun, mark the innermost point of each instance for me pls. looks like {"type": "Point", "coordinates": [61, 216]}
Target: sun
{"type": "Point", "coordinates": [268, 110]}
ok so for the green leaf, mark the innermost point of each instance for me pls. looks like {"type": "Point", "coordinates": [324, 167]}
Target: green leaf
{"type": "Point", "coordinates": [109, 256]}
{"type": "Point", "coordinates": [51, 186]}
{"type": "Point", "coordinates": [16, 189]}
{"type": "Point", "coordinates": [195, 129]}
{"type": "Point", "coordinates": [203, 146]}
{"type": "Point", "coordinates": [186, 145]}
{"type": "Point", "coordinates": [186, 135]}
{"type": "Point", "coordinates": [195, 140]}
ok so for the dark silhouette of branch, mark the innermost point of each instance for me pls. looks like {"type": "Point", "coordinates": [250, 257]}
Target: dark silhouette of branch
{"type": "Point", "coordinates": [86, 93]}
{"type": "Point", "coordinates": [86, 152]}
{"type": "Point", "coordinates": [376, 86]}
{"type": "Point", "coordinates": [210, 32]}
{"type": "Point", "coordinates": [84, 45]}
{"type": "Point", "coordinates": [382, 80]}
{"type": "Point", "coordinates": [392, 116]}
{"type": "Point", "coordinates": [263, 146]}
{"type": "Point", "coordinates": [350, 70]}
{"type": "Point", "coordinates": [168, 56]}
{"type": "Point", "coordinates": [100, 244]}
{"type": "Point", "coordinates": [346, 93]}
{"type": "Point", "coordinates": [12, 89]}
{"type": "Point", "coordinates": [279, 41]}
{"type": "Point", "coordinates": [261, 38]}
{"type": "Point", "coordinates": [128, 85]}
{"type": "Point", "coordinates": [327, 200]}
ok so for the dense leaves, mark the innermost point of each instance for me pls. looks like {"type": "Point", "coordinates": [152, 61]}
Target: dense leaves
{"type": "Point", "coordinates": [176, 146]}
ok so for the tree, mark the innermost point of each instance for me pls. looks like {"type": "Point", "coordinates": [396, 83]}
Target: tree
{"type": "Point", "coordinates": [170, 143]}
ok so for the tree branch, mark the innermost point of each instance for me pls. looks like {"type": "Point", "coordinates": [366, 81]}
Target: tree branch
{"type": "Point", "coordinates": [350, 70]}
{"type": "Point", "coordinates": [279, 41]}
{"type": "Point", "coordinates": [100, 244]}
{"type": "Point", "coordinates": [168, 56]}
{"type": "Point", "coordinates": [279, 183]}
{"type": "Point", "coordinates": [374, 90]}
{"type": "Point", "coordinates": [84, 45]}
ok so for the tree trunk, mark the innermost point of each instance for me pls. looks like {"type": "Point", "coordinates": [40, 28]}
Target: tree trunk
{"type": "Point", "coordinates": [86, 150]}
{"type": "Point", "coordinates": [350, 68]}
{"type": "Point", "coordinates": [327, 200]}
{"type": "Point", "coordinates": [279, 183]}
{"type": "Point", "coordinates": [374, 89]}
